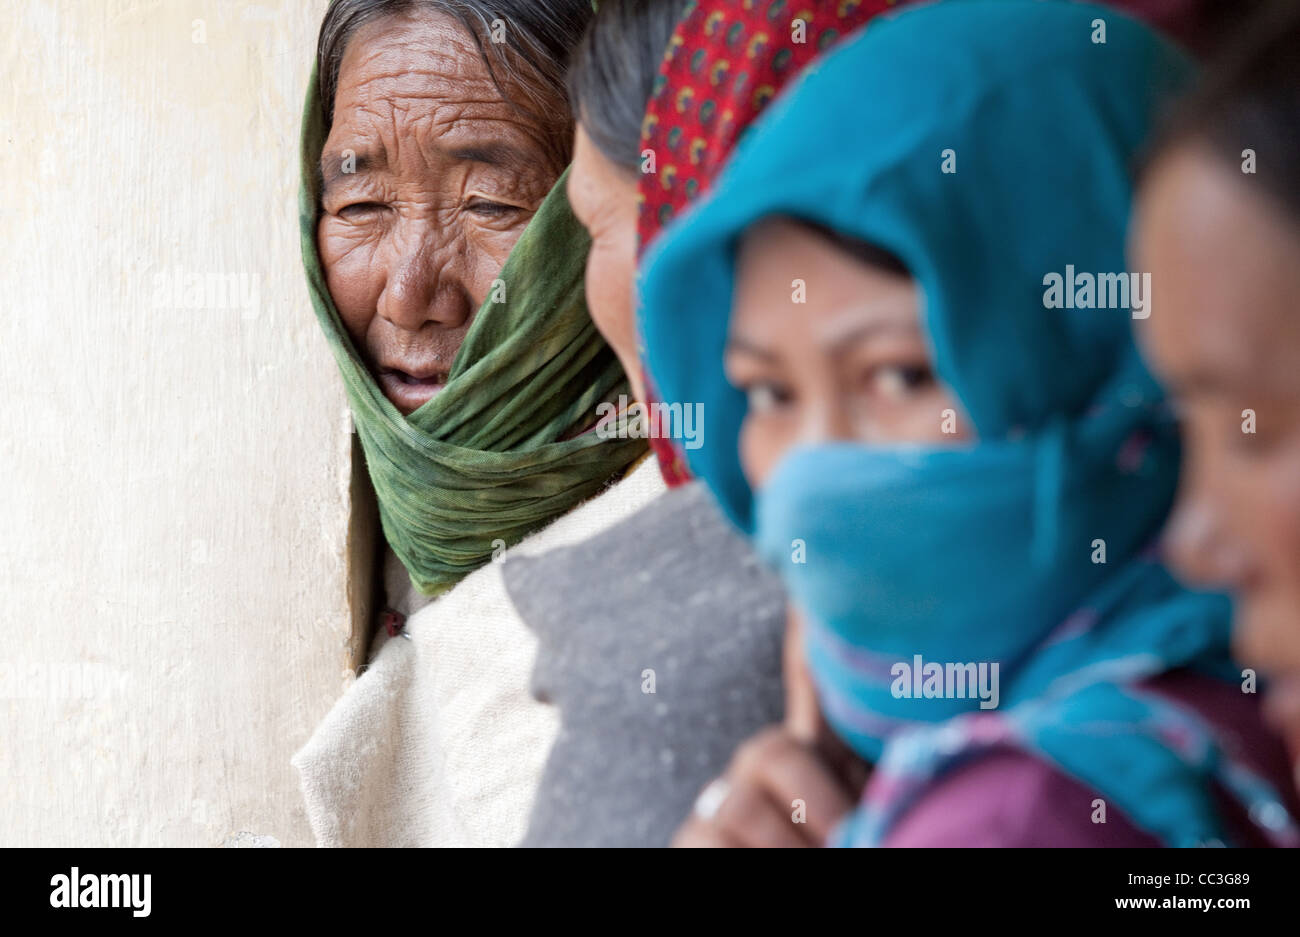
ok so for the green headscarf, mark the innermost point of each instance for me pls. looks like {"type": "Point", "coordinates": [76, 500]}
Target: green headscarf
{"type": "Point", "coordinates": [486, 461]}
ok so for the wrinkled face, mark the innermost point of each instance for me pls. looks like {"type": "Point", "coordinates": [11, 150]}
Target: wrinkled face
{"type": "Point", "coordinates": [850, 363]}
{"type": "Point", "coordinates": [1226, 265]}
{"type": "Point", "coordinates": [430, 176]}
{"type": "Point", "coordinates": [603, 196]}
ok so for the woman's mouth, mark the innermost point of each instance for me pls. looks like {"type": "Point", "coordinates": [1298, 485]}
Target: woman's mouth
{"type": "Point", "coordinates": [409, 392]}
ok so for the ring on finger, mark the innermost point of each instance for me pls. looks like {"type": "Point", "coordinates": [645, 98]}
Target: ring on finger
{"type": "Point", "coordinates": [712, 798]}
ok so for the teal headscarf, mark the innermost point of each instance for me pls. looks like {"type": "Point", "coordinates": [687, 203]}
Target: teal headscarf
{"type": "Point", "coordinates": [495, 456]}
{"type": "Point", "coordinates": [986, 555]}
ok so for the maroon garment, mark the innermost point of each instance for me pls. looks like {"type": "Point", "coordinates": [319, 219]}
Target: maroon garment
{"type": "Point", "coordinates": [1010, 798]}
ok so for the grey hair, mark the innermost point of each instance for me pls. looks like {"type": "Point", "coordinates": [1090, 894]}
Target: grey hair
{"type": "Point", "coordinates": [614, 70]}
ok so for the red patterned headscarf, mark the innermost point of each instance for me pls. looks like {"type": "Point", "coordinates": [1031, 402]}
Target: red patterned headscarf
{"type": "Point", "coordinates": [726, 61]}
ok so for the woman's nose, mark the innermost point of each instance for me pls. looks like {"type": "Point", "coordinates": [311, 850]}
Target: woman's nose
{"type": "Point", "coordinates": [1199, 546]}
{"type": "Point", "coordinates": [828, 420]}
{"type": "Point", "coordinates": [423, 286]}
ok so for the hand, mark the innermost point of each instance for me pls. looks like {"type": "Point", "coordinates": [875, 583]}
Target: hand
{"type": "Point", "coordinates": [777, 791]}
{"type": "Point", "coordinates": [757, 801]}
{"type": "Point", "coordinates": [803, 714]}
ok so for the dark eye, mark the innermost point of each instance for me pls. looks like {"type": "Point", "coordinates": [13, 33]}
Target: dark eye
{"type": "Point", "coordinates": [359, 210]}
{"type": "Point", "coordinates": [900, 380]}
{"type": "Point", "coordinates": [764, 396]}
{"type": "Point", "coordinates": [488, 209]}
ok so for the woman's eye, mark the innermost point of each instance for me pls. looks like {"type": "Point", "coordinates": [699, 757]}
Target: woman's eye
{"type": "Point", "coordinates": [490, 209]}
{"type": "Point", "coordinates": [766, 396]}
{"type": "Point", "coordinates": [1246, 437]}
{"type": "Point", "coordinates": [359, 210]}
{"type": "Point", "coordinates": [900, 381]}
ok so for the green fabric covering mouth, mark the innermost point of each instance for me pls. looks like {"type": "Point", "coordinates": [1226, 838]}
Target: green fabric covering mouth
{"type": "Point", "coordinates": [500, 452]}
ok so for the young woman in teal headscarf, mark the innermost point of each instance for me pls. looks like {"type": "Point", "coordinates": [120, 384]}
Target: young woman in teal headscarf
{"type": "Point", "coordinates": [949, 447]}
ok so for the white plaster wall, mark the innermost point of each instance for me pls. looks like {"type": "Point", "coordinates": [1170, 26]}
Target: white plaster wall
{"type": "Point", "coordinates": [173, 480]}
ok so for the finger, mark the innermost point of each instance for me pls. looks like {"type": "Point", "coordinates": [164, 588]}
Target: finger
{"type": "Point", "coordinates": [803, 716]}
{"type": "Point", "coordinates": [804, 719]}
{"type": "Point", "coordinates": [701, 834]}
{"type": "Point", "coordinates": [750, 817]}
{"type": "Point", "coordinates": [796, 776]}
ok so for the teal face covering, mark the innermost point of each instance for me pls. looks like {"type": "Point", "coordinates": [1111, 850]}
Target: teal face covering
{"type": "Point", "coordinates": [939, 621]}
{"type": "Point", "coordinates": [904, 557]}
{"type": "Point", "coordinates": [1003, 593]}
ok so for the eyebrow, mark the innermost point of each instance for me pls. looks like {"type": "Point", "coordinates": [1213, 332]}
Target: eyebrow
{"type": "Point", "coordinates": [742, 344]}
{"type": "Point", "coordinates": [830, 337]}
{"type": "Point", "coordinates": [491, 153]}
{"type": "Point", "coordinates": [332, 167]}
{"type": "Point", "coordinates": [845, 329]}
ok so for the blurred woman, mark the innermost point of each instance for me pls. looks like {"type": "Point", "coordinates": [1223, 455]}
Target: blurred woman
{"type": "Point", "coordinates": [1218, 228]}
{"type": "Point", "coordinates": [957, 472]}
{"type": "Point", "coordinates": [445, 268]}
{"type": "Point", "coordinates": [676, 659]}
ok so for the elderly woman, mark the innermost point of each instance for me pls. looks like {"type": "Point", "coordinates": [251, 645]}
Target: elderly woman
{"type": "Point", "coordinates": [446, 269]}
